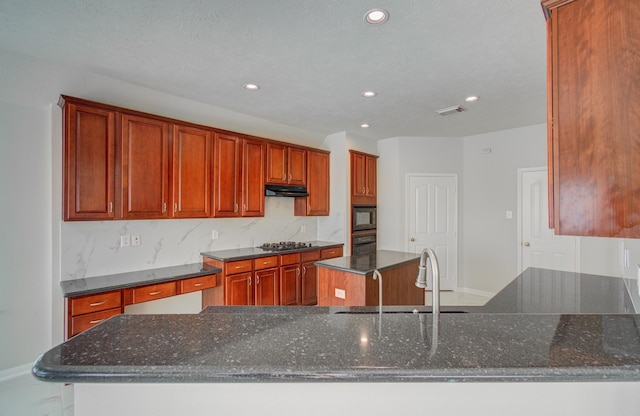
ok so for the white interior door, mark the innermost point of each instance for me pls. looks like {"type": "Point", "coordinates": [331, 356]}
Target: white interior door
{"type": "Point", "coordinates": [433, 221]}
{"type": "Point", "coordinates": [539, 246]}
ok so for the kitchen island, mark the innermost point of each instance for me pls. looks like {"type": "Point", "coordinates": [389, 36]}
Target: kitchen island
{"type": "Point", "coordinates": [332, 360]}
{"type": "Point", "coordinates": [348, 281]}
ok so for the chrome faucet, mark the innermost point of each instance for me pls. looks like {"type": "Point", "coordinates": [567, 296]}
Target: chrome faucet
{"type": "Point", "coordinates": [421, 281]}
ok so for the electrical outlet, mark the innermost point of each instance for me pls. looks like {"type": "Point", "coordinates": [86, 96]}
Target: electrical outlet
{"type": "Point", "coordinates": [135, 240]}
{"type": "Point", "coordinates": [215, 235]}
{"type": "Point", "coordinates": [125, 241]}
{"type": "Point", "coordinates": [341, 293]}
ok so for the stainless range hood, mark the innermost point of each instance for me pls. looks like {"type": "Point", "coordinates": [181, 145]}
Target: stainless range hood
{"type": "Point", "coordinates": [285, 190]}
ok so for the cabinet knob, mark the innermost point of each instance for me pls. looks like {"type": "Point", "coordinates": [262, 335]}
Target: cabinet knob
{"type": "Point", "coordinates": [527, 244]}
{"type": "Point", "coordinates": [412, 239]}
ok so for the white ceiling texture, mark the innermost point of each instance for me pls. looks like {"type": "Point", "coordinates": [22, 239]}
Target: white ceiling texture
{"type": "Point", "coordinates": [312, 59]}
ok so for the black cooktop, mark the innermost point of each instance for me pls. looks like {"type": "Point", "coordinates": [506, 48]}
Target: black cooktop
{"type": "Point", "coordinates": [285, 245]}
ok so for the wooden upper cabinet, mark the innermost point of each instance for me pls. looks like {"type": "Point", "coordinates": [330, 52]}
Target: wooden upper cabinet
{"type": "Point", "coordinates": [253, 167]}
{"type": "Point", "coordinates": [192, 154]}
{"type": "Point", "coordinates": [145, 167]}
{"type": "Point", "coordinates": [594, 154]}
{"type": "Point", "coordinates": [318, 172]}
{"type": "Point", "coordinates": [89, 162]}
{"type": "Point", "coordinates": [226, 167]}
{"type": "Point", "coordinates": [239, 166]}
{"type": "Point", "coordinates": [363, 178]}
{"type": "Point", "coordinates": [286, 165]}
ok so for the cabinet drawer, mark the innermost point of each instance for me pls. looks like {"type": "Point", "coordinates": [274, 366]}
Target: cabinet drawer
{"type": "Point", "coordinates": [95, 303]}
{"type": "Point", "coordinates": [329, 253]}
{"type": "Point", "coordinates": [266, 262]}
{"type": "Point", "coordinates": [239, 266]}
{"type": "Point", "coordinates": [287, 259]}
{"type": "Point", "coordinates": [197, 283]}
{"type": "Point", "coordinates": [310, 255]}
{"type": "Point", "coordinates": [151, 292]}
{"type": "Point", "coordinates": [84, 322]}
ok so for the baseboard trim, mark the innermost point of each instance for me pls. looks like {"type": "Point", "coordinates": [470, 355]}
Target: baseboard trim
{"type": "Point", "coordinates": [475, 292]}
{"type": "Point", "coordinates": [15, 372]}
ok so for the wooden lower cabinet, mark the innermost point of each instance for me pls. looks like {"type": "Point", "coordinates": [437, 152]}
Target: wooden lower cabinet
{"type": "Point", "coordinates": [290, 279]}
{"type": "Point", "coordinates": [266, 288]}
{"type": "Point", "coordinates": [85, 312]}
{"type": "Point", "coordinates": [237, 289]}
{"type": "Point", "coordinates": [309, 284]}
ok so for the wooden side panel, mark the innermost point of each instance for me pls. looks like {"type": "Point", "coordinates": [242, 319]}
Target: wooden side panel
{"type": "Point", "coordinates": [352, 284]}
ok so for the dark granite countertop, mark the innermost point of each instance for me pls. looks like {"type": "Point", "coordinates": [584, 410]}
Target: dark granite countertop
{"type": "Point", "coordinates": [290, 346]}
{"type": "Point", "coordinates": [97, 284]}
{"type": "Point", "coordinates": [253, 252]}
{"type": "Point", "coordinates": [589, 341]}
{"type": "Point", "coordinates": [365, 264]}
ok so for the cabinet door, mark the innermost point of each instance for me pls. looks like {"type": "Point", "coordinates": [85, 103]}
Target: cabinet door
{"type": "Point", "coordinates": [253, 167]}
{"type": "Point", "coordinates": [290, 285]}
{"type": "Point", "coordinates": [267, 284]}
{"type": "Point", "coordinates": [309, 284]}
{"type": "Point", "coordinates": [317, 203]}
{"type": "Point", "coordinates": [145, 167]}
{"type": "Point", "coordinates": [89, 163]}
{"type": "Point", "coordinates": [358, 179]}
{"type": "Point", "coordinates": [297, 166]}
{"type": "Point", "coordinates": [192, 148]}
{"type": "Point", "coordinates": [238, 289]}
{"type": "Point", "coordinates": [595, 156]}
{"type": "Point", "coordinates": [226, 165]}
{"type": "Point", "coordinates": [277, 170]}
{"type": "Point", "coordinates": [370, 176]}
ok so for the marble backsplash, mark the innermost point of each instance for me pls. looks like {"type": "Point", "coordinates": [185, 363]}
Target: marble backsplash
{"type": "Point", "coordinates": [93, 248]}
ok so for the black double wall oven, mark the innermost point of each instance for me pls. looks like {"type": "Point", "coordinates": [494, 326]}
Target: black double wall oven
{"type": "Point", "coordinates": [363, 228]}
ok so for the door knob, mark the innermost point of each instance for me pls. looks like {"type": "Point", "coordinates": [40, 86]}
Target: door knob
{"type": "Point", "coordinates": [526, 244]}
{"type": "Point", "coordinates": [412, 239]}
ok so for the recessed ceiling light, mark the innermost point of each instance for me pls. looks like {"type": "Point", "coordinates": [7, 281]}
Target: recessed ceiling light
{"type": "Point", "coordinates": [251, 87]}
{"type": "Point", "coordinates": [365, 125]}
{"type": "Point", "coordinates": [376, 16]}
{"type": "Point", "coordinates": [472, 99]}
{"type": "Point", "coordinates": [369, 94]}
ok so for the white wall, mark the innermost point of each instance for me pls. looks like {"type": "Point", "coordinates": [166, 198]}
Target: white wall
{"type": "Point", "coordinates": [401, 156]}
{"type": "Point", "coordinates": [25, 240]}
{"type": "Point", "coordinates": [489, 189]}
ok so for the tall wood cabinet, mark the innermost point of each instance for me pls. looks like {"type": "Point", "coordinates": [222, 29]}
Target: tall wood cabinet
{"type": "Point", "coordinates": [145, 167]}
{"type": "Point", "coordinates": [363, 178]}
{"type": "Point", "coordinates": [192, 173]}
{"type": "Point", "coordinates": [239, 176]}
{"type": "Point", "coordinates": [318, 171]}
{"type": "Point", "coordinates": [594, 123]}
{"type": "Point", "coordinates": [89, 162]}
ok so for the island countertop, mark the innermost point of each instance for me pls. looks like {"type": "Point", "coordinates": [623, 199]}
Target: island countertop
{"type": "Point", "coordinates": [497, 342]}
{"type": "Point", "coordinates": [365, 264]}
{"type": "Point", "coordinates": [262, 345]}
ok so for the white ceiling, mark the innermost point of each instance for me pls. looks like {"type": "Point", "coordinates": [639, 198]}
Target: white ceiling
{"type": "Point", "coordinates": [312, 58]}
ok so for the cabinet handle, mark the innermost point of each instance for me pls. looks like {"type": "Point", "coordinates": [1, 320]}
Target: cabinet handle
{"type": "Point", "coordinates": [284, 177]}
{"type": "Point", "coordinates": [155, 293]}
{"type": "Point", "coordinates": [239, 267]}
{"type": "Point", "coordinates": [164, 207]}
{"type": "Point", "coordinates": [175, 207]}
{"type": "Point", "coordinates": [244, 207]}
{"type": "Point", "coordinates": [94, 304]}
{"type": "Point", "coordinates": [290, 177]}
{"type": "Point", "coordinates": [198, 284]}
{"type": "Point", "coordinates": [249, 280]}
{"type": "Point", "coordinates": [297, 271]}
{"type": "Point", "coordinates": [304, 270]}
{"type": "Point", "coordinates": [110, 206]}
{"type": "Point", "coordinates": [257, 280]}
{"type": "Point", "coordinates": [97, 321]}
{"type": "Point", "coordinates": [235, 207]}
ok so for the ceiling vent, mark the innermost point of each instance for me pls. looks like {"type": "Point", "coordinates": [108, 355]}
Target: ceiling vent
{"type": "Point", "coordinates": [451, 110]}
